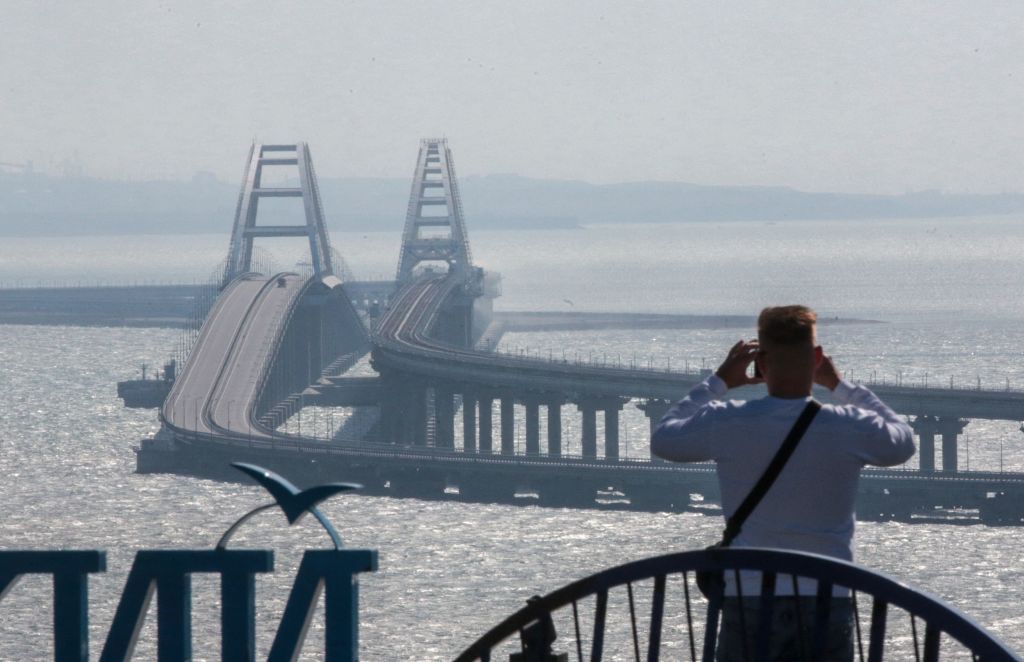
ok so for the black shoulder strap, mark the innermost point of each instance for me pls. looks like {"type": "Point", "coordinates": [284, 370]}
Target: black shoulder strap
{"type": "Point", "coordinates": [735, 523]}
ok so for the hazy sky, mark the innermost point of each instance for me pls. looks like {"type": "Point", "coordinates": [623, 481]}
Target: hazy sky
{"type": "Point", "coordinates": [847, 96]}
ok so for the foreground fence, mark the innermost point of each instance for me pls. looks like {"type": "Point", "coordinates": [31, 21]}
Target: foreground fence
{"type": "Point", "coordinates": [652, 609]}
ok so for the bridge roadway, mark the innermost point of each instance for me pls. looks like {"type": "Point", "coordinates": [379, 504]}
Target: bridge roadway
{"type": "Point", "coordinates": [216, 392]}
{"type": "Point", "coordinates": [403, 342]}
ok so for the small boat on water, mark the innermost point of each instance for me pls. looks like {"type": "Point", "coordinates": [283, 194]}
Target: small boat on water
{"type": "Point", "coordinates": [148, 393]}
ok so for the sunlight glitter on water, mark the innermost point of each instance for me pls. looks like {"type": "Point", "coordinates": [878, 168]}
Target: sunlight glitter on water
{"type": "Point", "coordinates": [449, 570]}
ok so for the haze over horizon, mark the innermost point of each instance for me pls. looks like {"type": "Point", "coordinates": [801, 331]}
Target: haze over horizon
{"type": "Point", "coordinates": [873, 98]}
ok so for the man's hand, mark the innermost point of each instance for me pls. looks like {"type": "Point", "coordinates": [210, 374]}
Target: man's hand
{"type": "Point", "coordinates": [826, 373]}
{"type": "Point", "coordinates": [733, 370]}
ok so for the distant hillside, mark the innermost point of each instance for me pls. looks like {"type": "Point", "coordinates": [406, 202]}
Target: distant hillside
{"type": "Point", "coordinates": [42, 205]}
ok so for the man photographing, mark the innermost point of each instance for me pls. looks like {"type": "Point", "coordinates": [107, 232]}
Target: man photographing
{"type": "Point", "coordinates": [810, 507]}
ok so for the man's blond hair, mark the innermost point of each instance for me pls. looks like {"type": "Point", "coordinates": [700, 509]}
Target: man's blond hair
{"type": "Point", "coordinates": [786, 326]}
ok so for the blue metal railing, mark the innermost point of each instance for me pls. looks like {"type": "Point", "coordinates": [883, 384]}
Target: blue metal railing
{"type": "Point", "coordinates": [901, 623]}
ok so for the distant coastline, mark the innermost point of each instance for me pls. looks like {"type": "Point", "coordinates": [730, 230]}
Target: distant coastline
{"type": "Point", "coordinates": [41, 205]}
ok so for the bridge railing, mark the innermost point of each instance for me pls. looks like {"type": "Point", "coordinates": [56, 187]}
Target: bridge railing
{"type": "Point", "coordinates": [635, 363]}
{"type": "Point", "coordinates": [651, 609]}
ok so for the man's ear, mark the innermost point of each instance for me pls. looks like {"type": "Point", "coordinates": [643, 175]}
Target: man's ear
{"type": "Point", "coordinates": [819, 355]}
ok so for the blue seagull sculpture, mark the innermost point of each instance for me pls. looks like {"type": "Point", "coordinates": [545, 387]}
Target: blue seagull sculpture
{"type": "Point", "coordinates": [294, 502]}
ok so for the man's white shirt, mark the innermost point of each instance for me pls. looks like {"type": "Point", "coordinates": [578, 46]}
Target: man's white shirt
{"type": "Point", "coordinates": [810, 507]}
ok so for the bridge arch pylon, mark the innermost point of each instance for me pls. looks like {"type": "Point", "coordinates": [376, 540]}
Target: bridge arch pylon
{"type": "Point", "coordinates": [246, 229]}
{"type": "Point", "coordinates": [435, 230]}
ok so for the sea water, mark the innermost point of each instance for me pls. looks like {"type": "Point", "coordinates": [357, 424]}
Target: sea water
{"type": "Point", "coordinates": [943, 295]}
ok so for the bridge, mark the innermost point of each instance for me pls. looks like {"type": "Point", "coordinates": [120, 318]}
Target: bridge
{"type": "Point", "coordinates": [274, 343]}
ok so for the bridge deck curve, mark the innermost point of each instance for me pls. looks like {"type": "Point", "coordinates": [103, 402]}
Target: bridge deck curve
{"type": "Point", "coordinates": [217, 390]}
{"type": "Point", "coordinates": [403, 342]}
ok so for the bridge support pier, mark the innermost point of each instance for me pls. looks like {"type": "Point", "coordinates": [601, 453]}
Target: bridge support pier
{"type": "Point", "coordinates": [949, 428]}
{"type": "Point", "coordinates": [588, 411]}
{"type": "Point", "coordinates": [416, 416]}
{"type": "Point", "coordinates": [390, 411]}
{"type": "Point", "coordinates": [403, 408]}
{"type": "Point", "coordinates": [611, 431]}
{"type": "Point", "coordinates": [508, 425]}
{"type": "Point", "coordinates": [555, 429]}
{"type": "Point", "coordinates": [468, 421]}
{"type": "Point", "coordinates": [926, 427]}
{"type": "Point", "coordinates": [485, 405]}
{"type": "Point", "coordinates": [532, 427]}
{"type": "Point", "coordinates": [654, 409]}
{"type": "Point", "coordinates": [444, 417]}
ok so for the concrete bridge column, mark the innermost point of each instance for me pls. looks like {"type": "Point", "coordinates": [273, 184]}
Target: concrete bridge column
{"type": "Point", "coordinates": [468, 421]}
{"type": "Point", "coordinates": [611, 430]}
{"type": "Point", "coordinates": [391, 396]}
{"type": "Point", "coordinates": [415, 428]}
{"type": "Point", "coordinates": [555, 429]}
{"type": "Point", "coordinates": [950, 428]}
{"type": "Point", "coordinates": [390, 419]}
{"type": "Point", "coordinates": [508, 425]}
{"type": "Point", "coordinates": [588, 411]}
{"type": "Point", "coordinates": [485, 405]}
{"type": "Point", "coordinates": [926, 427]}
{"type": "Point", "coordinates": [444, 415]}
{"type": "Point", "coordinates": [654, 408]}
{"type": "Point", "coordinates": [532, 427]}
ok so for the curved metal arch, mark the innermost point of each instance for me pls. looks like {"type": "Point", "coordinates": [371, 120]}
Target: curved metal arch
{"type": "Point", "coordinates": [813, 566]}
{"type": "Point", "coordinates": [222, 544]}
